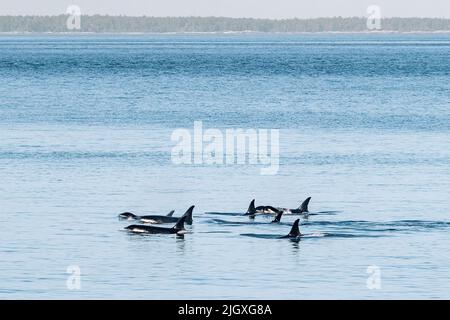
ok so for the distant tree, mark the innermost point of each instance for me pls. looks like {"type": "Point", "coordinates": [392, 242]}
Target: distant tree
{"type": "Point", "coordinates": [105, 23]}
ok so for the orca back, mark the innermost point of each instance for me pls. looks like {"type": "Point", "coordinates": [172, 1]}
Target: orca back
{"type": "Point", "coordinates": [128, 215]}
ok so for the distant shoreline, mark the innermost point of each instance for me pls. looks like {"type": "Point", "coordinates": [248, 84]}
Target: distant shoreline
{"type": "Point", "coordinates": [99, 24]}
{"type": "Point", "coordinates": [80, 33]}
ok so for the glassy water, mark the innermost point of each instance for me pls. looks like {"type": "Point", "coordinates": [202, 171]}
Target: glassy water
{"type": "Point", "coordinates": [85, 127]}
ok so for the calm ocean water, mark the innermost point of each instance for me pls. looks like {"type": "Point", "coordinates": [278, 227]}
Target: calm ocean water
{"type": "Point", "coordinates": [85, 126]}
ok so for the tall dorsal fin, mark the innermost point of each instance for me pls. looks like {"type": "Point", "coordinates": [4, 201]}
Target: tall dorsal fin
{"type": "Point", "coordinates": [171, 213]}
{"type": "Point", "coordinates": [180, 223]}
{"type": "Point", "coordinates": [251, 208]}
{"type": "Point", "coordinates": [304, 206]}
{"type": "Point", "coordinates": [188, 214]}
{"type": "Point", "coordinates": [295, 231]}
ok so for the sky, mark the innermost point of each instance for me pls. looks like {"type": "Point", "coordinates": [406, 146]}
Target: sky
{"type": "Point", "coordinates": [275, 9]}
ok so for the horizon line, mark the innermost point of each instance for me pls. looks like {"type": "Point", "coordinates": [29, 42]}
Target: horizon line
{"type": "Point", "coordinates": [217, 17]}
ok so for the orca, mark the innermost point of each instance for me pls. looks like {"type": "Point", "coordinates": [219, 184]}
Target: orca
{"type": "Point", "coordinates": [275, 220]}
{"type": "Point", "coordinates": [303, 208]}
{"type": "Point", "coordinates": [132, 216]}
{"type": "Point", "coordinates": [128, 216]}
{"type": "Point", "coordinates": [178, 228]}
{"type": "Point", "coordinates": [294, 233]}
{"type": "Point", "coordinates": [266, 210]}
{"type": "Point", "coordinates": [157, 219]}
{"type": "Point", "coordinates": [252, 210]}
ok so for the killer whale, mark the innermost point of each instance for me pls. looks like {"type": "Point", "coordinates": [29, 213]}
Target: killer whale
{"type": "Point", "coordinates": [178, 228]}
{"type": "Point", "coordinates": [303, 208]}
{"type": "Point", "coordinates": [277, 219]}
{"type": "Point", "coordinates": [294, 233]}
{"type": "Point", "coordinates": [131, 216]}
{"type": "Point", "coordinates": [157, 219]}
{"type": "Point", "coordinates": [252, 210]}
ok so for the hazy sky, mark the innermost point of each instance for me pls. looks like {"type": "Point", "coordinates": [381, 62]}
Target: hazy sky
{"type": "Point", "coordinates": [232, 8]}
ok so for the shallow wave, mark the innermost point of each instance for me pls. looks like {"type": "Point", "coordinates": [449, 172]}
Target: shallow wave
{"type": "Point", "coordinates": [311, 235]}
{"type": "Point", "coordinates": [84, 155]}
{"type": "Point", "coordinates": [245, 223]}
{"type": "Point", "coordinates": [399, 225]}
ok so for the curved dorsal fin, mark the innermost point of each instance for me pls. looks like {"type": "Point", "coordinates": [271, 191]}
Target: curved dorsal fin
{"type": "Point", "coordinates": [278, 217]}
{"type": "Point", "coordinates": [188, 214]}
{"type": "Point", "coordinates": [180, 223]}
{"type": "Point", "coordinates": [251, 208]}
{"type": "Point", "coordinates": [304, 206]}
{"type": "Point", "coordinates": [171, 213]}
{"type": "Point", "coordinates": [295, 231]}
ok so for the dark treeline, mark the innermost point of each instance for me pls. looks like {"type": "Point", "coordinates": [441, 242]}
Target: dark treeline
{"type": "Point", "coordinates": [99, 23]}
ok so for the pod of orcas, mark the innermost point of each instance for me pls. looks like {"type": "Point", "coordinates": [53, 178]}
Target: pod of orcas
{"type": "Point", "coordinates": [147, 221]}
{"type": "Point", "coordinates": [252, 210]}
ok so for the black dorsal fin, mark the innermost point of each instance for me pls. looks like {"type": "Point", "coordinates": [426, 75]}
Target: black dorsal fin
{"type": "Point", "coordinates": [180, 223]}
{"type": "Point", "coordinates": [278, 217]}
{"type": "Point", "coordinates": [304, 206]}
{"type": "Point", "coordinates": [295, 231]}
{"type": "Point", "coordinates": [251, 208]}
{"type": "Point", "coordinates": [188, 214]}
{"type": "Point", "coordinates": [170, 213]}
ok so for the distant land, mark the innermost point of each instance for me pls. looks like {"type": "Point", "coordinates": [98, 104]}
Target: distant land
{"type": "Point", "coordinates": [126, 24]}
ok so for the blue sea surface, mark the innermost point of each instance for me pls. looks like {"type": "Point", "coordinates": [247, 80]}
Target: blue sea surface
{"type": "Point", "coordinates": [85, 134]}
